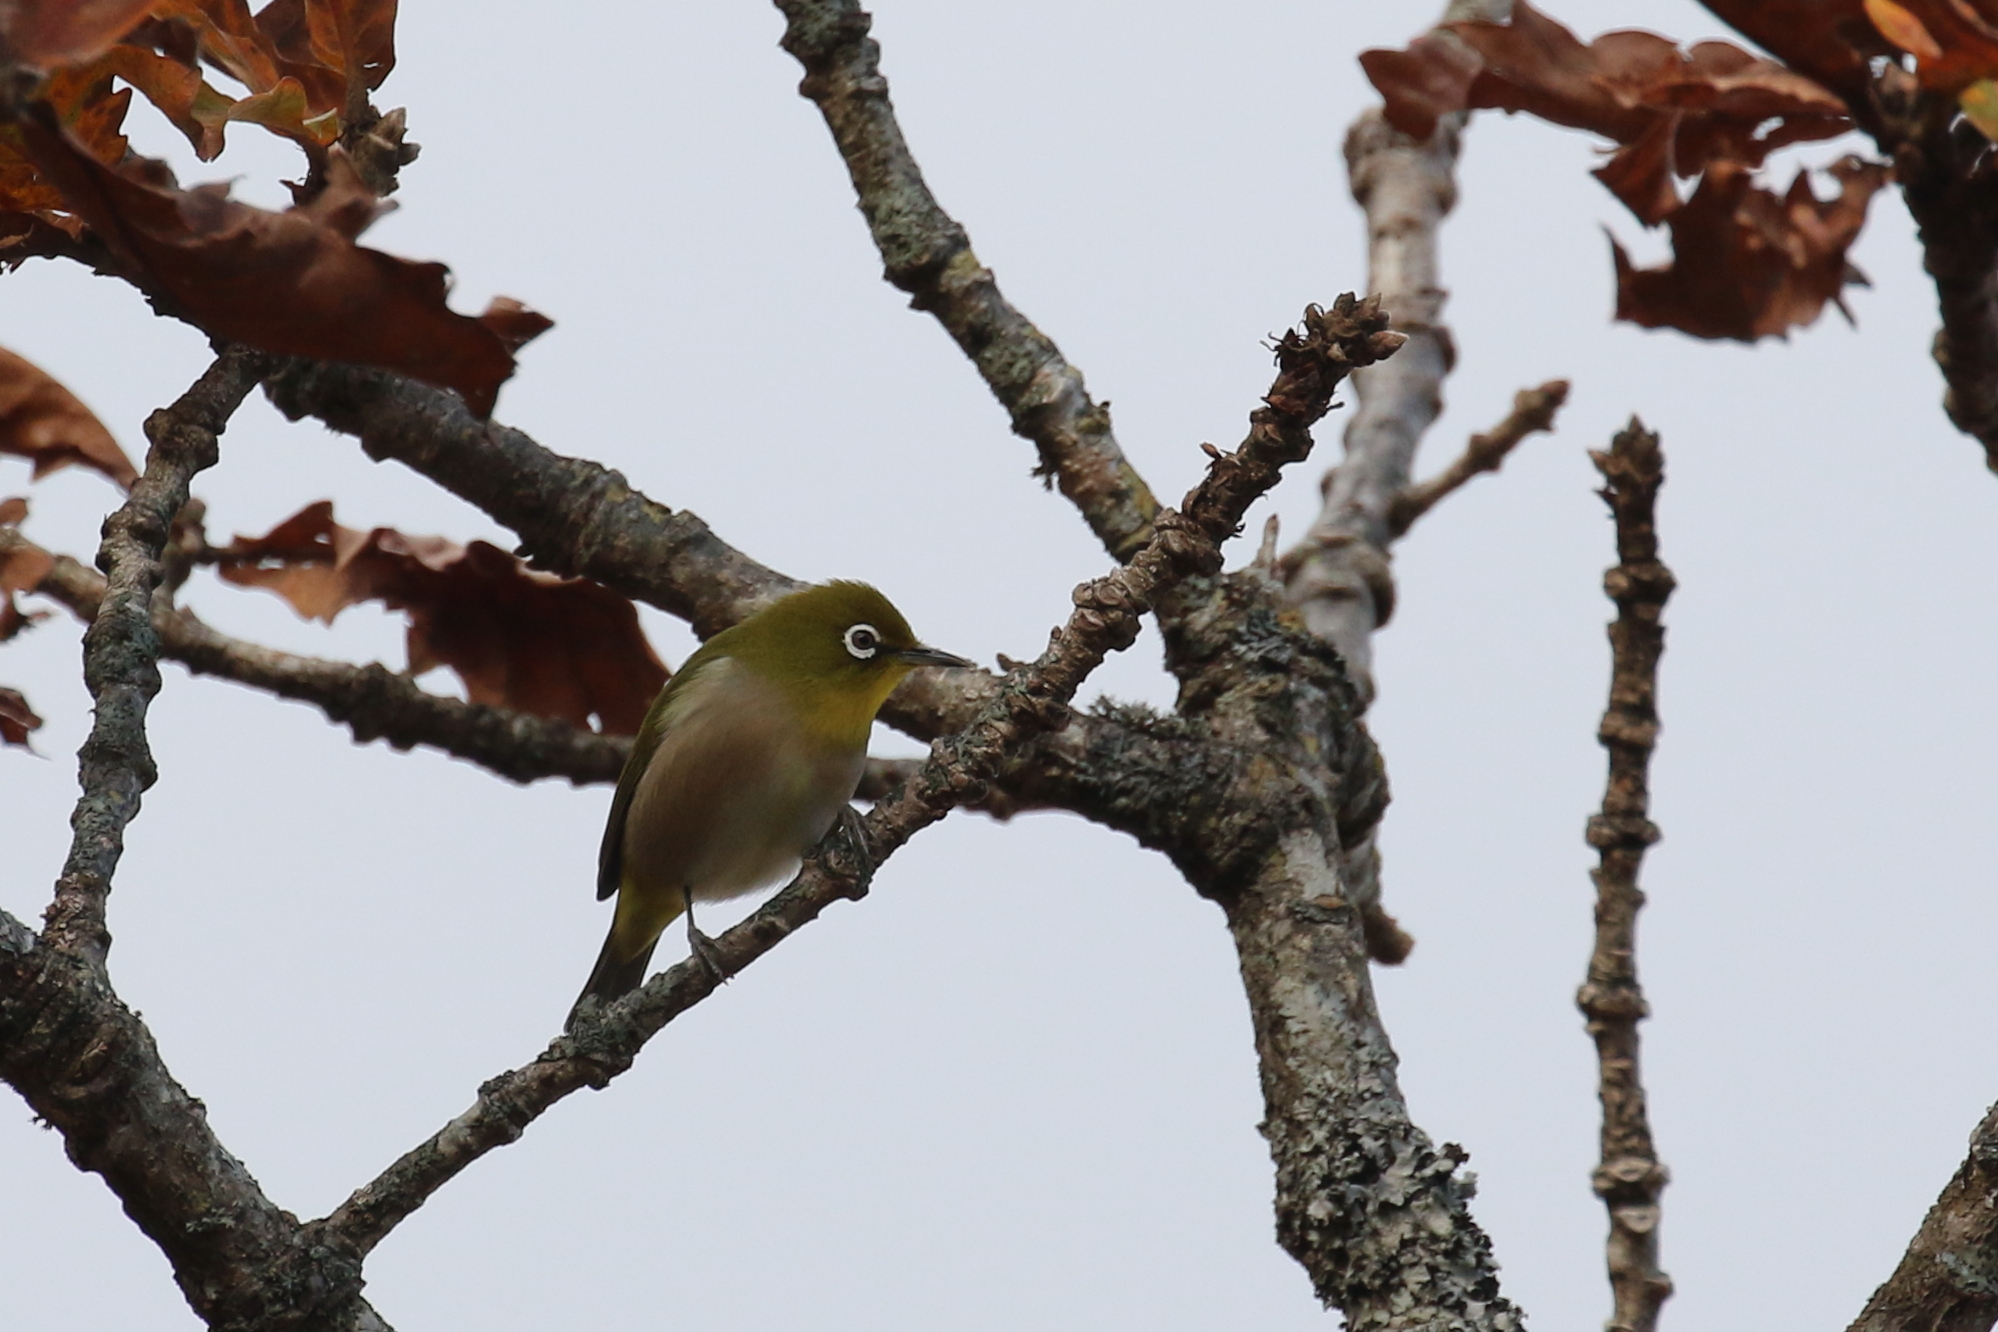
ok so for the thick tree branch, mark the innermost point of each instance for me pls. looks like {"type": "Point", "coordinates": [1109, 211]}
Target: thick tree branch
{"type": "Point", "coordinates": [1339, 577]}
{"type": "Point", "coordinates": [1630, 1177]}
{"type": "Point", "coordinates": [79, 1056]}
{"type": "Point", "coordinates": [577, 517]}
{"type": "Point", "coordinates": [927, 254]}
{"type": "Point", "coordinates": [1532, 413]}
{"type": "Point", "coordinates": [1032, 699]}
{"type": "Point", "coordinates": [1948, 1279]}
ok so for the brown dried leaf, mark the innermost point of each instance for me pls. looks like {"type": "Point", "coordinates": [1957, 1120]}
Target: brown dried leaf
{"type": "Point", "coordinates": [1671, 112]}
{"type": "Point", "coordinates": [1826, 40]}
{"type": "Point", "coordinates": [1747, 265]}
{"type": "Point", "coordinates": [42, 421]}
{"type": "Point", "coordinates": [22, 568]}
{"type": "Point", "coordinates": [17, 719]}
{"type": "Point", "coordinates": [340, 50]}
{"type": "Point", "coordinates": [291, 282]}
{"type": "Point", "coordinates": [46, 34]}
{"type": "Point", "coordinates": [518, 638]}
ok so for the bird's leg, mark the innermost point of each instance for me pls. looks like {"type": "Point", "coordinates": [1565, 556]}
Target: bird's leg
{"type": "Point", "coordinates": [702, 946]}
{"type": "Point", "coordinates": [855, 832]}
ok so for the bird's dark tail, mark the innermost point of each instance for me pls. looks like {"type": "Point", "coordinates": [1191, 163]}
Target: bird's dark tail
{"type": "Point", "coordinates": [613, 976]}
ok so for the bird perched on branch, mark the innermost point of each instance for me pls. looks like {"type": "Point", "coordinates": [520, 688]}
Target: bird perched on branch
{"type": "Point", "coordinates": [745, 760]}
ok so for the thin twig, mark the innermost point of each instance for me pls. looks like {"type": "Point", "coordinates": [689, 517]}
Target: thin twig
{"type": "Point", "coordinates": [1532, 413]}
{"type": "Point", "coordinates": [120, 663]}
{"type": "Point", "coordinates": [1033, 699]}
{"type": "Point", "coordinates": [927, 254]}
{"type": "Point", "coordinates": [1630, 1177]}
{"type": "Point", "coordinates": [1947, 1281]}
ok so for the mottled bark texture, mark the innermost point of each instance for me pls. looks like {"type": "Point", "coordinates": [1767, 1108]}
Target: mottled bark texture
{"type": "Point", "coordinates": [1630, 1177]}
{"type": "Point", "coordinates": [603, 1041]}
{"type": "Point", "coordinates": [927, 254]}
{"type": "Point", "coordinates": [120, 653]}
{"type": "Point", "coordinates": [80, 1058]}
{"type": "Point", "coordinates": [1339, 576]}
{"type": "Point", "coordinates": [1948, 1279]}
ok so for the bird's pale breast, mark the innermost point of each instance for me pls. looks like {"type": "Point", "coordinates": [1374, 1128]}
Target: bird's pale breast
{"type": "Point", "coordinates": [736, 793]}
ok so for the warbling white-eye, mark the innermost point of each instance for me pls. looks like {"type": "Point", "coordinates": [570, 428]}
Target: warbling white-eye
{"type": "Point", "coordinates": [745, 760]}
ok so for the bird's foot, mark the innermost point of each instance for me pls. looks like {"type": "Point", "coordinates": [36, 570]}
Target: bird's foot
{"type": "Point", "coordinates": [854, 831]}
{"type": "Point", "coordinates": [708, 955]}
{"type": "Point", "coordinates": [703, 947]}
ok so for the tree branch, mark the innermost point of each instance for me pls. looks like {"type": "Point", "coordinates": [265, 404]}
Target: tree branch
{"type": "Point", "coordinates": [1948, 1279]}
{"type": "Point", "coordinates": [81, 1059]}
{"type": "Point", "coordinates": [1032, 699]}
{"type": "Point", "coordinates": [1630, 1177]}
{"type": "Point", "coordinates": [927, 254]}
{"type": "Point", "coordinates": [120, 652]}
{"type": "Point", "coordinates": [1532, 413]}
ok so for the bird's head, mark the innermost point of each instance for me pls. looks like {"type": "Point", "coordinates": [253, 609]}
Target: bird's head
{"type": "Point", "coordinates": [838, 648]}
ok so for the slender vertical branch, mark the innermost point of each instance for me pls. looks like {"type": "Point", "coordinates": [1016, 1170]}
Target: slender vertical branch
{"type": "Point", "coordinates": [1630, 1177]}
{"type": "Point", "coordinates": [121, 651]}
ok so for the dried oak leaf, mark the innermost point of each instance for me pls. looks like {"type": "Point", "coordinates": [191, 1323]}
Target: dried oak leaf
{"type": "Point", "coordinates": [47, 33]}
{"type": "Point", "coordinates": [339, 50]}
{"type": "Point", "coordinates": [42, 421]}
{"type": "Point", "coordinates": [17, 719]}
{"type": "Point", "coordinates": [1671, 112]}
{"type": "Point", "coordinates": [292, 282]}
{"type": "Point", "coordinates": [1827, 40]}
{"type": "Point", "coordinates": [23, 566]}
{"type": "Point", "coordinates": [82, 101]}
{"type": "Point", "coordinates": [519, 638]}
{"type": "Point", "coordinates": [1747, 265]}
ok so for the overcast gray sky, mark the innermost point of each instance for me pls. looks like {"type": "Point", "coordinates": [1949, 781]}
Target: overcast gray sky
{"type": "Point", "coordinates": [1015, 1087]}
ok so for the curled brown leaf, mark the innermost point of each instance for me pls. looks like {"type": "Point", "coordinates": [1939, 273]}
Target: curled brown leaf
{"type": "Point", "coordinates": [17, 719]}
{"type": "Point", "coordinates": [23, 566]}
{"type": "Point", "coordinates": [1671, 113]}
{"type": "Point", "coordinates": [1746, 264]}
{"type": "Point", "coordinates": [518, 638]}
{"type": "Point", "coordinates": [44, 422]}
{"type": "Point", "coordinates": [292, 282]}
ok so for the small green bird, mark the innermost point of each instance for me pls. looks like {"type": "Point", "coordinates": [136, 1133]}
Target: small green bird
{"type": "Point", "coordinates": [746, 758]}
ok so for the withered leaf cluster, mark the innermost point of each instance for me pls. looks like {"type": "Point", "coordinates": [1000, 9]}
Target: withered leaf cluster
{"type": "Point", "coordinates": [294, 282]}
{"type": "Point", "coordinates": [1747, 263]}
{"type": "Point", "coordinates": [517, 637]}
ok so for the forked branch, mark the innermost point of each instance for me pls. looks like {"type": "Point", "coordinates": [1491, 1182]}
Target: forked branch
{"type": "Point", "coordinates": [1031, 700]}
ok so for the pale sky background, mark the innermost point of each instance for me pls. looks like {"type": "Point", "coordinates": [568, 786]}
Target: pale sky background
{"type": "Point", "coordinates": [1015, 1087]}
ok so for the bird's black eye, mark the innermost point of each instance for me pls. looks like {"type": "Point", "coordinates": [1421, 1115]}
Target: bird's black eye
{"type": "Point", "coordinates": [862, 641]}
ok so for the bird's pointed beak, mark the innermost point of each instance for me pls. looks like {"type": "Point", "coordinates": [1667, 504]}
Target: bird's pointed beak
{"type": "Point", "coordinates": [929, 656]}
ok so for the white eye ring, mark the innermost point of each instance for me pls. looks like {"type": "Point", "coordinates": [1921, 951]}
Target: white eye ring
{"type": "Point", "coordinates": [862, 640]}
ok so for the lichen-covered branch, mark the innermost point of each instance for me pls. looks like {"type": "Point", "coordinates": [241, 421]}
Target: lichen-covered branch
{"type": "Point", "coordinates": [1532, 413]}
{"type": "Point", "coordinates": [927, 254]}
{"type": "Point", "coordinates": [120, 664]}
{"type": "Point", "coordinates": [80, 1058]}
{"type": "Point", "coordinates": [1032, 699]}
{"type": "Point", "coordinates": [1630, 1177]}
{"type": "Point", "coordinates": [1948, 1279]}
